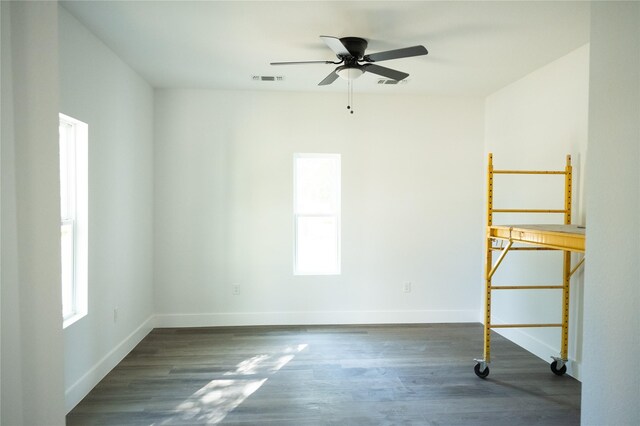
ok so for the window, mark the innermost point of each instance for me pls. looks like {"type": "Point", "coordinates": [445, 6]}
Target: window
{"type": "Point", "coordinates": [73, 217]}
{"type": "Point", "coordinates": [317, 214]}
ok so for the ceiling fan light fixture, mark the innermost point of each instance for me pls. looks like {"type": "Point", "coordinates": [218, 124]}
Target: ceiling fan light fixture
{"type": "Point", "coordinates": [350, 73]}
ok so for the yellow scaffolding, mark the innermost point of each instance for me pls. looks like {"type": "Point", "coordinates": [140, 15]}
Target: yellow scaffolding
{"type": "Point", "coordinates": [566, 237]}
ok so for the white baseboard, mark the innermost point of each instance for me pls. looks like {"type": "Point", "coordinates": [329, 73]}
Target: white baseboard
{"type": "Point", "coordinates": [537, 347]}
{"type": "Point", "coordinates": [74, 393]}
{"type": "Point", "coordinates": [315, 318]}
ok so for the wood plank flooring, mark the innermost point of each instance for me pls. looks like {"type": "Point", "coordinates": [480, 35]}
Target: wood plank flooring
{"type": "Point", "coordinates": [328, 375]}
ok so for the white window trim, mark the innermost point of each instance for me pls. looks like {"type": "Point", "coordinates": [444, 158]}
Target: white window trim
{"type": "Point", "coordinates": [338, 216]}
{"type": "Point", "coordinates": [80, 228]}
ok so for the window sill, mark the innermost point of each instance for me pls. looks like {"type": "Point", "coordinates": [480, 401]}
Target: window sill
{"type": "Point", "coordinates": [311, 274]}
{"type": "Point", "coordinates": [72, 319]}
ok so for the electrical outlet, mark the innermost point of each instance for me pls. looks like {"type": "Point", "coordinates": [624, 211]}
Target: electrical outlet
{"type": "Point", "coordinates": [407, 287]}
{"type": "Point", "coordinates": [115, 314]}
{"type": "Point", "coordinates": [235, 289]}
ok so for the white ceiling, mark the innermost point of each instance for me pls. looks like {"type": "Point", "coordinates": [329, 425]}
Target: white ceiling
{"type": "Point", "coordinates": [475, 47]}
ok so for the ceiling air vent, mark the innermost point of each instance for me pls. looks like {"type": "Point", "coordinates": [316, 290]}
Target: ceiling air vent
{"type": "Point", "coordinates": [267, 78]}
{"type": "Point", "coordinates": [390, 81]}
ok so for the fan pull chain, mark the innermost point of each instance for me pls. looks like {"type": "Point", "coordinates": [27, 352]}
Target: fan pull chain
{"type": "Point", "coordinates": [350, 95]}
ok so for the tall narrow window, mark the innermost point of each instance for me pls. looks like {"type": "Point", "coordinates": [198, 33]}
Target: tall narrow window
{"type": "Point", "coordinates": [317, 214]}
{"type": "Point", "coordinates": [73, 217]}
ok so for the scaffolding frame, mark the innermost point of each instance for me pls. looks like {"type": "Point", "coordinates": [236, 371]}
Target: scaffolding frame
{"type": "Point", "coordinates": [566, 237]}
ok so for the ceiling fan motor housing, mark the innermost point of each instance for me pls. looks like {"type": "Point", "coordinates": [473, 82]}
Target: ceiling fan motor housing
{"type": "Point", "coordinates": [355, 45]}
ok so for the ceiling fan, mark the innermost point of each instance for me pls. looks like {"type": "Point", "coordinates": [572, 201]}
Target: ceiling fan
{"type": "Point", "coordinates": [353, 62]}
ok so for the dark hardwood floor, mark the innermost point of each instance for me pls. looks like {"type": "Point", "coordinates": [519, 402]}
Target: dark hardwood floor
{"type": "Point", "coordinates": [328, 375]}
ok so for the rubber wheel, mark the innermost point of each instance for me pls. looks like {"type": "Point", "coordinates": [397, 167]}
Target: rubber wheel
{"type": "Point", "coordinates": [556, 371]}
{"type": "Point", "coordinates": [481, 374]}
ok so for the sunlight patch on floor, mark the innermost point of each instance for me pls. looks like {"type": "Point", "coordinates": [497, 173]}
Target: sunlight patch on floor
{"type": "Point", "coordinates": [219, 397]}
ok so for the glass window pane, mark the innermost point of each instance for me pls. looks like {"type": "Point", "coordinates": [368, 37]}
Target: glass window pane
{"type": "Point", "coordinates": [64, 170]}
{"type": "Point", "coordinates": [317, 185]}
{"type": "Point", "coordinates": [67, 263]}
{"type": "Point", "coordinates": [317, 244]}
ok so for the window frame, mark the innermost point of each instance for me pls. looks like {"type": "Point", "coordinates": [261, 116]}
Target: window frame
{"type": "Point", "coordinates": [76, 162]}
{"type": "Point", "coordinates": [336, 214]}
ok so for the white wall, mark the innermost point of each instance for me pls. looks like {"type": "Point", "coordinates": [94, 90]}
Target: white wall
{"type": "Point", "coordinates": [32, 350]}
{"type": "Point", "coordinates": [11, 364]}
{"type": "Point", "coordinates": [411, 207]}
{"type": "Point", "coordinates": [533, 124]}
{"type": "Point", "coordinates": [612, 294]}
{"type": "Point", "coordinates": [117, 104]}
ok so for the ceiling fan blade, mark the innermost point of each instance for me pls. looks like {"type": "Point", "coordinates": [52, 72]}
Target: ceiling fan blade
{"type": "Point", "coordinates": [396, 54]}
{"type": "Point", "coordinates": [336, 45]}
{"type": "Point", "coordinates": [302, 62]}
{"type": "Point", "coordinates": [385, 72]}
{"type": "Point", "coordinates": [330, 78]}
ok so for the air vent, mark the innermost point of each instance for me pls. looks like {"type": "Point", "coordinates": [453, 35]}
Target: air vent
{"type": "Point", "coordinates": [390, 81]}
{"type": "Point", "coordinates": [267, 78]}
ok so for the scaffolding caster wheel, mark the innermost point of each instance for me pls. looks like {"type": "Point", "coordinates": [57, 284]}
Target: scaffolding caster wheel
{"type": "Point", "coordinates": [558, 371]}
{"type": "Point", "coordinates": [481, 373]}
